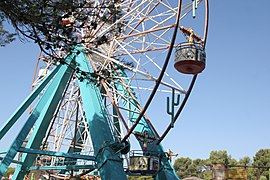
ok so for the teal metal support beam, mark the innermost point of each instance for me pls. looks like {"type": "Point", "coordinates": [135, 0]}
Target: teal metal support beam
{"type": "Point", "coordinates": [18, 141]}
{"type": "Point", "coordinates": [44, 112]}
{"type": "Point", "coordinates": [109, 162]}
{"type": "Point", "coordinates": [3, 151]}
{"type": "Point", "coordinates": [73, 149]}
{"type": "Point", "coordinates": [67, 167]}
{"type": "Point", "coordinates": [21, 109]}
{"type": "Point", "coordinates": [54, 88]}
{"type": "Point", "coordinates": [166, 171]}
{"type": "Point", "coordinates": [57, 154]}
{"type": "Point", "coordinates": [13, 161]}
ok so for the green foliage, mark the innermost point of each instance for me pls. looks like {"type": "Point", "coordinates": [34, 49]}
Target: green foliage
{"type": "Point", "coordinates": [140, 178]}
{"type": "Point", "coordinates": [182, 166]}
{"type": "Point", "coordinates": [198, 168]}
{"type": "Point", "coordinates": [258, 167]}
{"type": "Point", "coordinates": [245, 161]}
{"type": "Point", "coordinates": [219, 157]}
{"type": "Point", "coordinates": [252, 173]}
{"type": "Point", "coordinates": [54, 25]}
{"type": "Point", "coordinates": [231, 161]}
{"type": "Point", "coordinates": [5, 36]}
{"type": "Point", "coordinates": [262, 160]}
{"type": "Point", "coordinates": [186, 167]}
{"type": "Point", "coordinates": [8, 172]}
{"type": "Point", "coordinates": [207, 175]}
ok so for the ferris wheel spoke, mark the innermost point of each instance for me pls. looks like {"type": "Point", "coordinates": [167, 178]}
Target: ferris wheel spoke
{"type": "Point", "coordinates": [128, 14]}
{"type": "Point", "coordinates": [157, 41]}
{"type": "Point", "coordinates": [132, 99]}
{"type": "Point", "coordinates": [129, 45]}
{"type": "Point", "coordinates": [121, 64]}
{"type": "Point", "coordinates": [126, 97]}
{"type": "Point", "coordinates": [153, 79]}
{"type": "Point", "coordinates": [145, 14]}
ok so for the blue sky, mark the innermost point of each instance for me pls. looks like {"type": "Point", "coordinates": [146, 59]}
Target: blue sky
{"type": "Point", "coordinates": [229, 106]}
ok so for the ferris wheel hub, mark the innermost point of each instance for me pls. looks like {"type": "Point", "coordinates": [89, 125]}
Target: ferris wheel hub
{"type": "Point", "coordinates": [190, 59]}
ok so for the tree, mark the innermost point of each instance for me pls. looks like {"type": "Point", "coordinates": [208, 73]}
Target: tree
{"type": "Point", "coordinates": [262, 160]}
{"type": "Point", "coordinates": [54, 24]}
{"type": "Point", "coordinates": [182, 167]}
{"type": "Point", "coordinates": [245, 161]}
{"type": "Point", "coordinates": [199, 167]}
{"type": "Point", "coordinates": [5, 36]}
{"type": "Point", "coordinates": [9, 172]}
{"type": "Point", "coordinates": [232, 161]}
{"type": "Point", "coordinates": [208, 174]}
{"type": "Point", "coordinates": [186, 167]}
{"type": "Point", "coordinates": [219, 157]}
{"type": "Point", "coordinates": [140, 178]}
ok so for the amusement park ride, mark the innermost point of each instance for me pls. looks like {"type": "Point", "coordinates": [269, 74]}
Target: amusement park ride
{"type": "Point", "coordinates": [87, 111]}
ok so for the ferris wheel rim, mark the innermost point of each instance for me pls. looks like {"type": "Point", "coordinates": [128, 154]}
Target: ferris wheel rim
{"type": "Point", "coordinates": [155, 79]}
{"type": "Point", "coordinates": [142, 112]}
{"type": "Point", "coordinates": [193, 79]}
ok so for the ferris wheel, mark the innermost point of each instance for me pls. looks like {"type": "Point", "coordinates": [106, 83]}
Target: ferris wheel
{"type": "Point", "coordinates": [116, 91]}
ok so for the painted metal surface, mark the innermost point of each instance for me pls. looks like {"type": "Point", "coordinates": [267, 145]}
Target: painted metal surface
{"type": "Point", "coordinates": [166, 169]}
{"type": "Point", "coordinates": [108, 161]}
{"type": "Point", "coordinates": [108, 157]}
{"type": "Point", "coordinates": [44, 112]}
{"type": "Point", "coordinates": [12, 120]}
{"type": "Point", "coordinates": [31, 120]}
{"type": "Point", "coordinates": [58, 154]}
